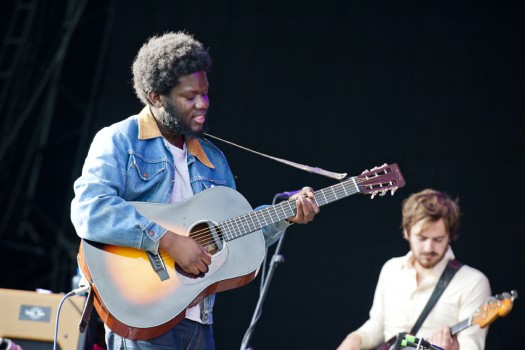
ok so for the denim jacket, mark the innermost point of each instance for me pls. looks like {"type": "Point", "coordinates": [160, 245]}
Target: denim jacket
{"type": "Point", "coordinates": [128, 161]}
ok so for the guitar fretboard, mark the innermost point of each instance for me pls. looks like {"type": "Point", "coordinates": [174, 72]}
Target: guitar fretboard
{"type": "Point", "coordinates": [245, 224]}
{"type": "Point", "coordinates": [458, 327]}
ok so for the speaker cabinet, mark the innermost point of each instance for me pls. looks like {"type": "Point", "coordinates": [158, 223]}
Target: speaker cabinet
{"type": "Point", "coordinates": [29, 318]}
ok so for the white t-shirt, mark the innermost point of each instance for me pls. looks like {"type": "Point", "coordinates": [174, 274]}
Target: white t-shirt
{"type": "Point", "coordinates": [182, 190]}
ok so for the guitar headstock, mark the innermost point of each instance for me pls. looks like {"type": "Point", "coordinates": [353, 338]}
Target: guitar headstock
{"type": "Point", "coordinates": [496, 306]}
{"type": "Point", "coordinates": [380, 180]}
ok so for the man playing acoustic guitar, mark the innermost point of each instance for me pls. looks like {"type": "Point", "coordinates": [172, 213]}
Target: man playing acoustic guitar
{"type": "Point", "coordinates": [160, 156]}
{"type": "Point", "coordinates": [430, 224]}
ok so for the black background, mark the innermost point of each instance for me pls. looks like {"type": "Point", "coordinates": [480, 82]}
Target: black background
{"type": "Point", "coordinates": [435, 86]}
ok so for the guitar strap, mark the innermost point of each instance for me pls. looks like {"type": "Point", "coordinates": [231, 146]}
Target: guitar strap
{"type": "Point", "coordinates": [452, 267]}
{"type": "Point", "coordinates": [314, 170]}
{"type": "Point", "coordinates": [86, 313]}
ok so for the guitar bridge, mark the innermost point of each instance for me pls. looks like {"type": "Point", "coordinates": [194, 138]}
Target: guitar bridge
{"type": "Point", "coordinates": [158, 265]}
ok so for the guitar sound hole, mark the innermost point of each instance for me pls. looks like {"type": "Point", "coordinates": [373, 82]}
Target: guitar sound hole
{"type": "Point", "coordinates": [208, 235]}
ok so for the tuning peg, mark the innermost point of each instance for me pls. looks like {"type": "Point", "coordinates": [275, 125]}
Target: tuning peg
{"type": "Point", "coordinates": [374, 194]}
{"type": "Point", "coordinates": [382, 193]}
{"type": "Point", "coordinates": [491, 300]}
{"type": "Point", "coordinates": [514, 294]}
{"type": "Point", "coordinates": [393, 190]}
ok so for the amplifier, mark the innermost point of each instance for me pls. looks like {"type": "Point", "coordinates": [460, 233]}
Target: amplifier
{"type": "Point", "coordinates": [29, 318]}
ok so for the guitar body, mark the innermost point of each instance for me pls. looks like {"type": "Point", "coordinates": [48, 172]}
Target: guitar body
{"type": "Point", "coordinates": [142, 296]}
{"type": "Point", "coordinates": [388, 345]}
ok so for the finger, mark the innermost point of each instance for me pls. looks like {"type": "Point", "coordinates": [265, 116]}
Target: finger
{"type": "Point", "coordinates": [202, 268]}
{"type": "Point", "coordinates": [199, 268]}
{"type": "Point", "coordinates": [313, 208]}
{"type": "Point", "coordinates": [299, 215]}
{"type": "Point", "coordinates": [310, 209]}
{"type": "Point", "coordinates": [195, 270]}
{"type": "Point", "coordinates": [203, 263]}
{"type": "Point", "coordinates": [206, 257]}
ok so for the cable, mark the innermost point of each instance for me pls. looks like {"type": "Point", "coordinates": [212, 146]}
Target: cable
{"type": "Point", "coordinates": [82, 289]}
{"type": "Point", "coordinates": [418, 343]}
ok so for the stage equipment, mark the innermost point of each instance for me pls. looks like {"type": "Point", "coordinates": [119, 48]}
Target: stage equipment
{"type": "Point", "coordinates": [28, 319]}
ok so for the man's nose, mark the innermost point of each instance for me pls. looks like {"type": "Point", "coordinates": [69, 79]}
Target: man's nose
{"type": "Point", "coordinates": [429, 245]}
{"type": "Point", "coordinates": [202, 102]}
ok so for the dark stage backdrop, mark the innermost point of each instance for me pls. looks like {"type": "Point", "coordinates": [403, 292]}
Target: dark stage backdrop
{"type": "Point", "coordinates": [436, 86]}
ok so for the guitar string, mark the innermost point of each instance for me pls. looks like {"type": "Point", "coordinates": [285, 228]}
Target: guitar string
{"type": "Point", "coordinates": [232, 226]}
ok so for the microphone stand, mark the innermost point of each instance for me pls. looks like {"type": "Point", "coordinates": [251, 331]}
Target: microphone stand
{"type": "Point", "coordinates": [265, 284]}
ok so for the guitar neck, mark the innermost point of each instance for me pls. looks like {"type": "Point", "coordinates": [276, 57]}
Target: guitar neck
{"type": "Point", "coordinates": [497, 306]}
{"type": "Point", "coordinates": [256, 220]}
{"type": "Point", "coordinates": [458, 327]}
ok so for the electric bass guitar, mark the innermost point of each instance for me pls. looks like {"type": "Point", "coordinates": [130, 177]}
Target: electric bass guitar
{"type": "Point", "coordinates": [140, 295]}
{"type": "Point", "coordinates": [496, 306]}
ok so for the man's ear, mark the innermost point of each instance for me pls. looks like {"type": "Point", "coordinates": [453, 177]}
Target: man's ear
{"type": "Point", "coordinates": [405, 234]}
{"type": "Point", "coordinates": [154, 99]}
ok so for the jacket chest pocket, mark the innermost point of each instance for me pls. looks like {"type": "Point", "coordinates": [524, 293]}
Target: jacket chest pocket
{"type": "Point", "coordinates": [145, 178]}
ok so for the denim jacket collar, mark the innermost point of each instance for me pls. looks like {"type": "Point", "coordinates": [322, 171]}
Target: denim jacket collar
{"type": "Point", "coordinates": [148, 129]}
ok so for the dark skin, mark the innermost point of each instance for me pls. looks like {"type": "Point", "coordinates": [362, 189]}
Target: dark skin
{"type": "Point", "coordinates": [190, 100]}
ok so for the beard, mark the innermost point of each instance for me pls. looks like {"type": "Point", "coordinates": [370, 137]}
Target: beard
{"type": "Point", "coordinates": [172, 119]}
{"type": "Point", "coordinates": [429, 260]}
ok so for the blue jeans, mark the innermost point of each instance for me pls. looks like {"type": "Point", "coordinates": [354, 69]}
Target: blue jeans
{"type": "Point", "coordinates": [187, 335]}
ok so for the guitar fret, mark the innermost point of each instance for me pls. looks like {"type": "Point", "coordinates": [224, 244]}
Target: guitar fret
{"type": "Point", "coordinates": [235, 227]}
{"type": "Point", "coordinates": [344, 189]}
{"type": "Point", "coordinates": [253, 222]}
{"type": "Point", "coordinates": [257, 217]}
{"type": "Point", "coordinates": [325, 200]}
{"type": "Point", "coordinates": [232, 229]}
{"type": "Point", "coordinates": [261, 213]}
{"type": "Point", "coordinates": [292, 208]}
{"type": "Point", "coordinates": [271, 214]}
{"type": "Point", "coordinates": [242, 224]}
{"type": "Point", "coordinates": [284, 214]}
{"type": "Point", "coordinates": [335, 194]}
{"type": "Point", "coordinates": [223, 227]}
{"type": "Point", "coordinates": [246, 224]}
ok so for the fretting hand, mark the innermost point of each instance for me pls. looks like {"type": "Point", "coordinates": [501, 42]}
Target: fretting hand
{"type": "Point", "coordinates": [306, 206]}
{"type": "Point", "coordinates": [444, 339]}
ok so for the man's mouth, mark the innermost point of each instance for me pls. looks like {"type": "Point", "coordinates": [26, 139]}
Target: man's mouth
{"type": "Point", "coordinates": [200, 119]}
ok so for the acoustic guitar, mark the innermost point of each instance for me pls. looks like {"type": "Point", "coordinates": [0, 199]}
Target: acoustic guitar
{"type": "Point", "coordinates": [141, 295]}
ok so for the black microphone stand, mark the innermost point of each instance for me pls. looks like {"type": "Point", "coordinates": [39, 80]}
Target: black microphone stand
{"type": "Point", "coordinates": [265, 284]}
